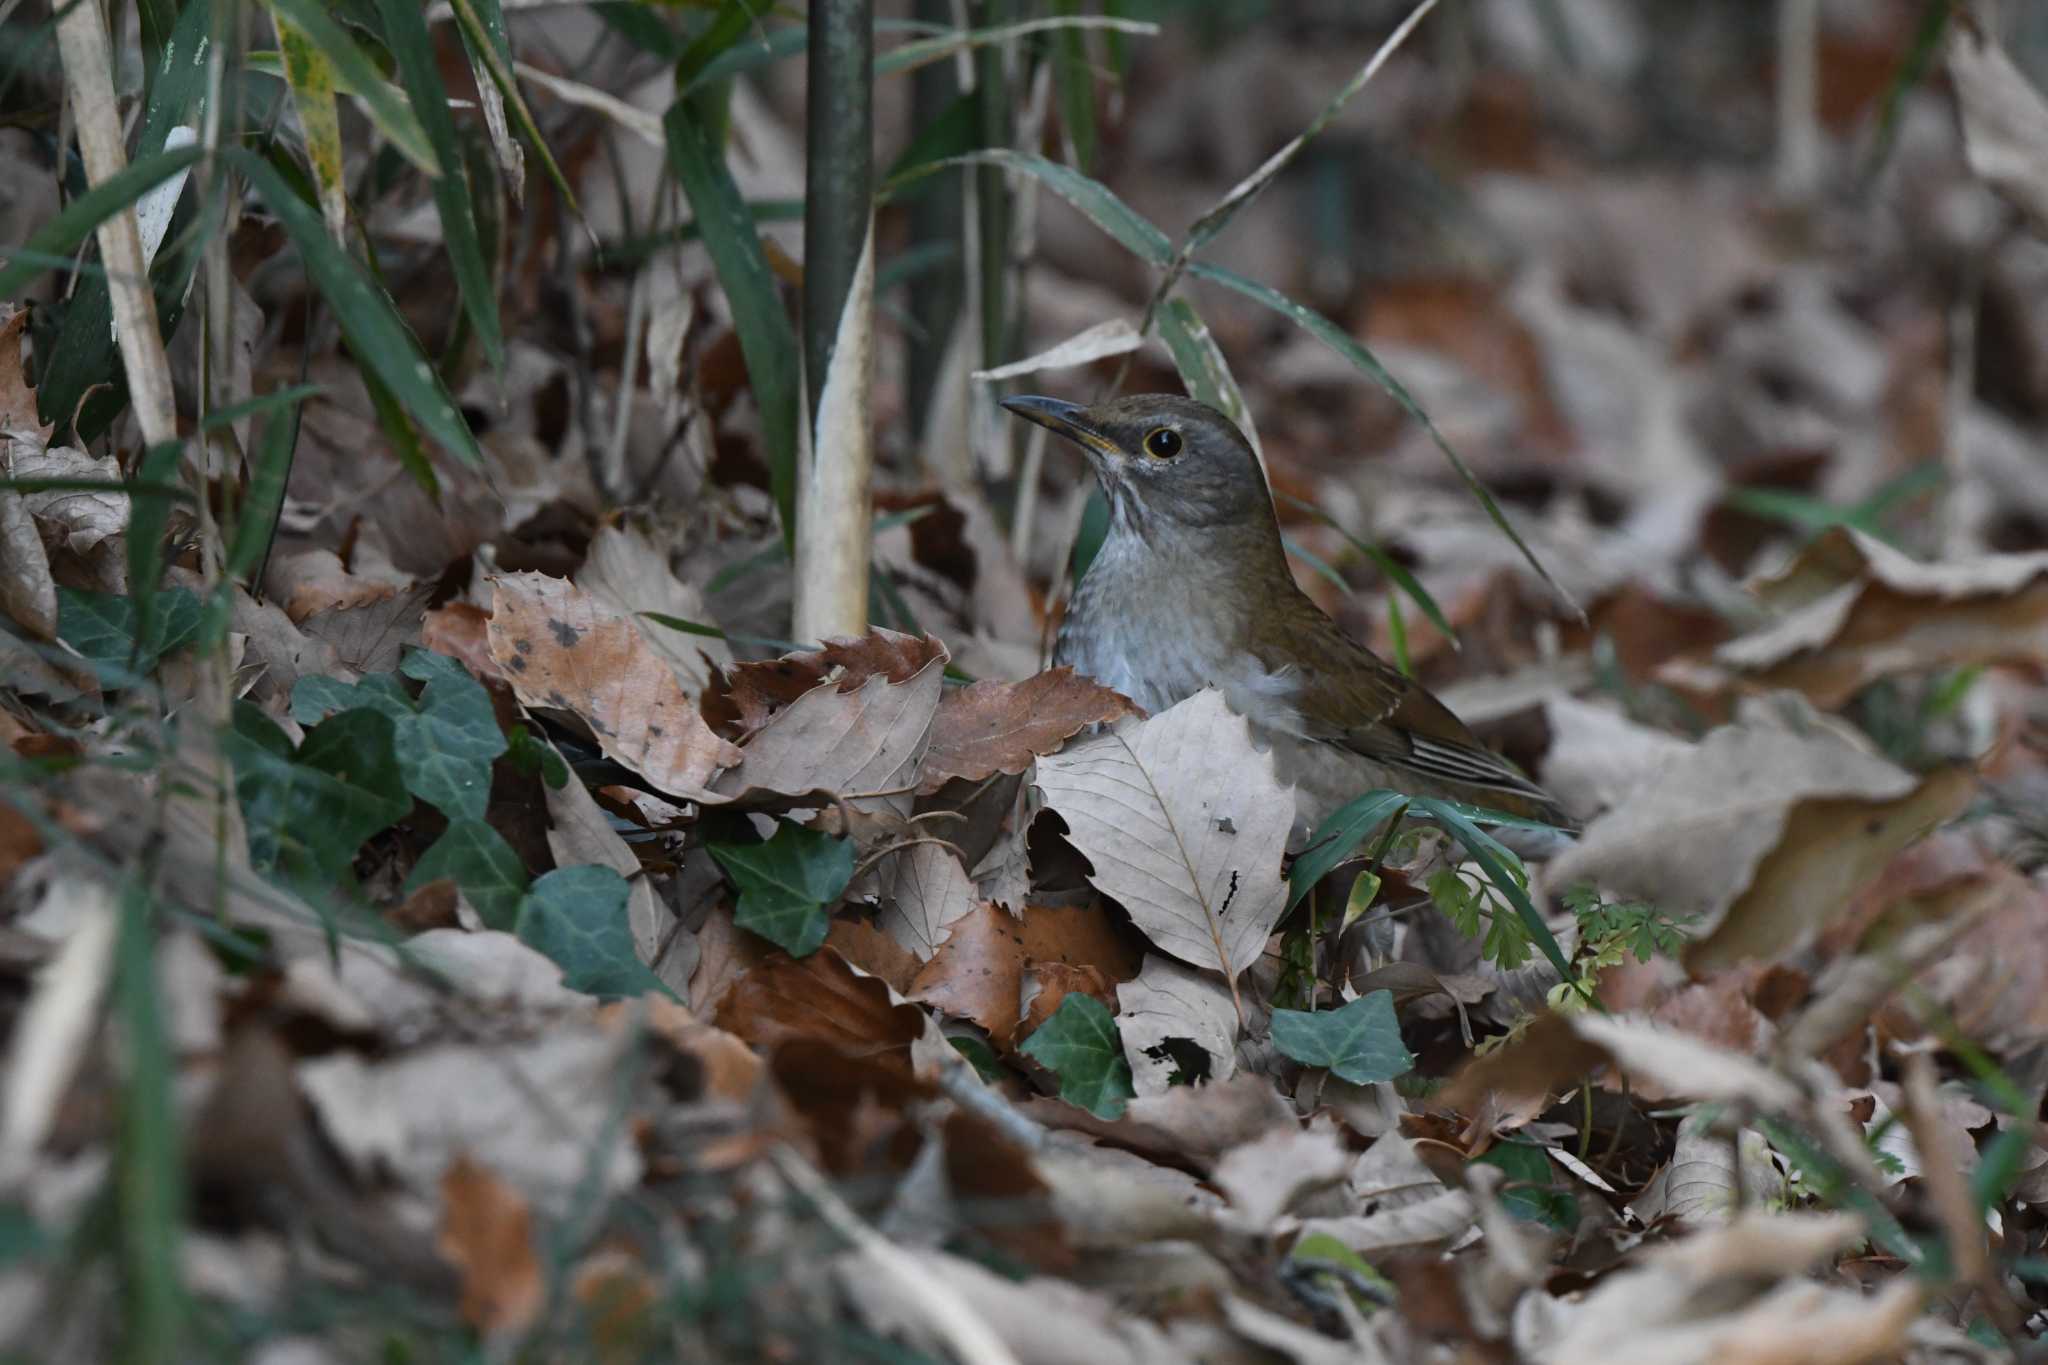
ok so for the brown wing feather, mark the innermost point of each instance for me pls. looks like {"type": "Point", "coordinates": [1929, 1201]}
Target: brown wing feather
{"type": "Point", "coordinates": [1353, 698]}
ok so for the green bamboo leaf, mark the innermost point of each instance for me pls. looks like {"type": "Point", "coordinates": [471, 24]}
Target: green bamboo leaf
{"type": "Point", "coordinates": [1495, 860]}
{"type": "Point", "coordinates": [263, 497]}
{"type": "Point", "coordinates": [377, 338]}
{"type": "Point", "coordinates": [311, 78]}
{"type": "Point", "coordinates": [351, 66]}
{"type": "Point", "coordinates": [55, 240]}
{"type": "Point", "coordinates": [147, 519]}
{"type": "Point", "coordinates": [1075, 82]}
{"type": "Point", "coordinates": [1202, 366]}
{"type": "Point", "coordinates": [477, 36]}
{"type": "Point", "coordinates": [1096, 201]}
{"type": "Point", "coordinates": [405, 29]}
{"type": "Point", "coordinates": [1342, 831]}
{"type": "Point", "coordinates": [767, 341]}
{"type": "Point", "coordinates": [1348, 346]}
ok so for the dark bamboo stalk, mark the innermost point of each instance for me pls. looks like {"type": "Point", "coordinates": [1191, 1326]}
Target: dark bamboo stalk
{"type": "Point", "coordinates": [838, 172]}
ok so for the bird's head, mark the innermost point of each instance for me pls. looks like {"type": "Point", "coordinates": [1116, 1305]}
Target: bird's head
{"type": "Point", "coordinates": [1163, 460]}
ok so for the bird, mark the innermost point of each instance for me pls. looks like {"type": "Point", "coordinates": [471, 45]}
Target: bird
{"type": "Point", "coordinates": [1191, 589]}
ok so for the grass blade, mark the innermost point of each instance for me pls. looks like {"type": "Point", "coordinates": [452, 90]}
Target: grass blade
{"type": "Point", "coordinates": [377, 337]}
{"type": "Point", "coordinates": [767, 341]}
{"type": "Point", "coordinates": [405, 28]}
{"type": "Point", "coordinates": [1202, 367]}
{"type": "Point", "coordinates": [393, 117]}
{"type": "Point", "coordinates": [1348, 346]}
{"type": "Point", "coordinates": [477, 36]}
{"type": "Point", "coordinates": [1096, 201]}
{"type": "Point", "coordinates": [264, 498]}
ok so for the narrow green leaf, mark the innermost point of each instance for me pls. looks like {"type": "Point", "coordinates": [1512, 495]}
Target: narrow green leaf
{"type": "Point", "coordinates": [1075, 81]}
{"type": "Point", "coordinates": [767, 341]}
{"type": "Point", "coordinates": [149, 1178]}
{"type": "Point", "coordinates": [477, 37]}
{"type": "Point", "coordinates": [147, 520]}
{"type": "Point", "coordinates": [954, 132]}
{"type": "Point", "coordinates": [1348, 346]}
{"type": "Point", "coordinates": [1096, 201]}
{"type": "Point", "coordinates": [310, 75]}
{"type": "Point", "coordinates": [786, 884]}
{"type": "Point", "coordinates": [392, 115]}
{"type": "Point", "coordinates": [576, 916]}
{"type": "Point", "coordinates": [378, 339]}
{"type": "Point", "coordinates": [1081, 1046]}
{"type": "Point", "coordinates": [1342, 831]}
{"type": "Point", "coordinates": [1203, 369]}
{"type": "Point", "coordinates": [1359, 1042]}
{"type": "Point", "coordinates": [56, 239]}
{"type": "Point", "coordinates": [405, 28]}
{"type": "Point", "coordinates": [263, 497]}
{"type": "Point", "coordinates": [1494, 860]}
{"type": "Point", "coordinates": [478, 860]}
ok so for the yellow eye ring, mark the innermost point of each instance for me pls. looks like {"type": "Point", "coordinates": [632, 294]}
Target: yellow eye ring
{"type": "Point", "coordinates": [1162, 443]}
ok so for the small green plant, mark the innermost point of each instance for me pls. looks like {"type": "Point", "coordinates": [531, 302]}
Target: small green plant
{"type": "Point", "coordinates": [1609, 933]}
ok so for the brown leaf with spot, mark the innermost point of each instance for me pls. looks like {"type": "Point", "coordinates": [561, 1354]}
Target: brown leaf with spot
{"type": "Point", "coordinates": [999, 727]}
{"type": "Point", "coordinates": [561, 648]}
{"type": "Point", "coordinates": [462, 632]}
{"type": "Point", "coordinates": [487, 1231]}
{"type": "Point", "coordinates": [728, 1068]}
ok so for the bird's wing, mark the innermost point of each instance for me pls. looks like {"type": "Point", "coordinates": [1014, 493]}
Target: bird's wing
{"type": "Point", "coordinates": [1353, 698]}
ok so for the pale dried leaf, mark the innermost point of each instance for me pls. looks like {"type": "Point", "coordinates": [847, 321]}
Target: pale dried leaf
{"type": "Point", "coordinates": [1171, 1000]}
{"type": "Point", "coordinates": [2005, 120]}
{"type": "Point", "coordinates": [1105, 339]}
{"type": "Point", "coordinates": [1266, 1177]}
{"type": "Point", "coordinates": [869, 740]}
{"type": "Point", "coordinates": [924, 891]}
{"type": "Point", "coordinates": [1184, 824]}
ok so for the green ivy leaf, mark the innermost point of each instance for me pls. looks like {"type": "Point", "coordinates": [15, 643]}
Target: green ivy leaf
{"type": "Point", "coordinates": [103, 628]}
{"type": "Point", "coordinates": [577, 917]}
{"type": "Point", "coordinates": [1532, 1192]}
{"type": "Point", "coordinates": [308, 812]}
{"type": "Point", "coordinates": [447, 737]}
{"type": "Point", "coordinates": [786, 883]}
{"type": "Point", "coordinates": [1359, 1042]}
{"type": "Point", "coordinates": [482, 864]}
{"type": "Point", "coordinates": [1080, 1045]}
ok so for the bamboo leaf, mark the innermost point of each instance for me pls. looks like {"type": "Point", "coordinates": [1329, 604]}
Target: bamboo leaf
{"type": "Point", "coordinates": [405, 28]}
{"type": "Point", "coordinates": [311, 77]}
{"type": "Point", "coordinates": [377, 337]}
{"type": "Point", "coordinates": [393, 117]}
{"type": "Point", "coordinates": [481, 47]}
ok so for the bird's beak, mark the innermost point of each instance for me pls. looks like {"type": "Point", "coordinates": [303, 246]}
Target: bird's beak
{"type": "Point", "coordinates": [1068, 419]}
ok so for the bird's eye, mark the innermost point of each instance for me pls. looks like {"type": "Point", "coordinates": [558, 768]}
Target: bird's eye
{"type": "Point", "coordinates": [1162, 443]}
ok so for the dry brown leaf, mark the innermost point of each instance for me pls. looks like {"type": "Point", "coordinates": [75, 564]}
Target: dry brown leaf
{"type": "Point", "coordinates": [754, 693]}
{"type": "Point", "coordinates": [1184, 824]}
{"type": "Point", "coordinates": [1265, 1177]}
{"type": "Point", "coordinates": [731, 1068]}
{"type": "Point", "coordinates": [821, 997]}
{"type": "Point", "coordinates": [924, 892]}
{"type": "Point", "coordinates": [462, 632]}
{"type": "Point", "coordinates": [1172, 1000]}
{"type": "Point", "coordinates": [369, 637]}
{"type": "Point", "coordinates": [867, 738]}
{"type": "Point", "coordinates": [1763, 832]}
{"type": "Point", "coordinates": [1048, 984]}
{"type": "Point", "coordinates": [78, 520]}
{"type": "Point", "coordinates": [998, 727]}
{"type": "Point", "coordinates": [487, 1231]}
{"type": "Point", "coordinates": [874, 952]}
{"type": "Point", "coordinates": [979, 972]}
{"type": "Point", "coordinates": [18, 412]}
{"type": "Point", "coordinates": [28, 592]}
{"type": "Point", "coordinates": [629, 572]}
{"type": "Point", "coordinates": [561, 648]}
{"type": "Point", "coordinates": [2005, 120]}
{"type": "Point", "coordinates": [1857, 610]}
{"type": "Point", "coordinates": [726, 953]}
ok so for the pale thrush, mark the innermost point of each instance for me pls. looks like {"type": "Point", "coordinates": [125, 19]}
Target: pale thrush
{"type": "Point", "coordinates": [1191, 589]}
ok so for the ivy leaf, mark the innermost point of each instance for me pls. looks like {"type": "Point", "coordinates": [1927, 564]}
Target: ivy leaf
{"type": "Point", "coordinates": [308, 812]}
{"type": "Point", "coordinates": [786, 883]}
{"type": "Point", "coordinates": [447, 736]}
{"type": "Point", "coordinates": [479, 861]}
{"type": "Point", "coordinates": [576, 916]}
{"type": "Point", "coordinates": [1079, 1044]}
{"type": "Point", "coordinates": [1360, 1042]}
{"type": "Point", "coordinates": [103, 628]}
{"type": "Point", "coordinates": [1532, 1192]}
